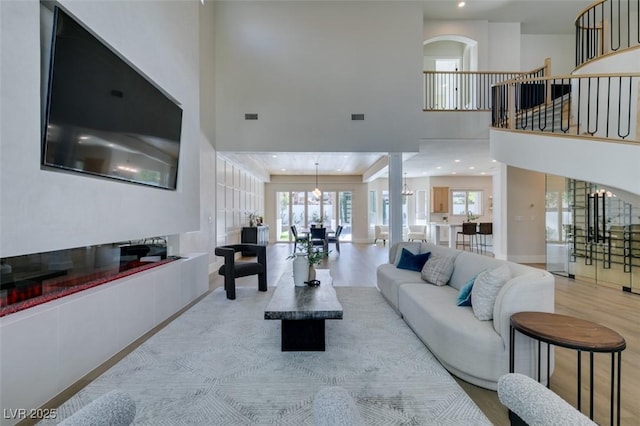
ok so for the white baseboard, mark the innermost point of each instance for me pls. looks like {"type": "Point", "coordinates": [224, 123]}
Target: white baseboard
{"type": "Point", "coordinates": [527, 258]}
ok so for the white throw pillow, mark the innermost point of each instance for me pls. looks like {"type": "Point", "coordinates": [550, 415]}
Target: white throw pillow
{"type": "Point", "coordinates": [437, 270]}
{"type": "Point", "coordinates": [485, 291]}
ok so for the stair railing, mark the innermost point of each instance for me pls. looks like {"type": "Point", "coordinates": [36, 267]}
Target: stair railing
{"type": "Point", "coordinates": [607, 26]}
{"type": "Point", "coordinates": [468, 90]}
{"type": "Point", "coordinates": [595, 105]}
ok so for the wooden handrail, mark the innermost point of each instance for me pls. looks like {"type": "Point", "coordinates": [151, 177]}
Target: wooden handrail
{"type": "Point", "coordinates": [567, 77]}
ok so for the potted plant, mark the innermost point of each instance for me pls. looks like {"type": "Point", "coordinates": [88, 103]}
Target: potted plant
{"type": "Point", "coordinates": [304, 261]}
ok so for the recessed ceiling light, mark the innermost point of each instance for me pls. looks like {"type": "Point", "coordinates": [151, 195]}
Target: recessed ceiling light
{"type": "Point", "coordinates": [84, 138]}
{"type": "Point", "coordinates": [338, 170]}
{"type": "Point", "coordinates": [493, 161]}
{"type": "Point", "coordinates": [453, 173]}
{"type": "Point", "coordinates": [483, 173]}
{"type": "Point", "coordinates": [471, 167]}
{"type": "Point", "coordinates": [462, 4]}
{"type": "Point", "coordinates": [283, 170]}
{"type": "Point", "coordinates": [274, 156]}
{"type": "Point", "coordinates": [456, 161]}
{"type": "Point", "coordinates": [438, 167]}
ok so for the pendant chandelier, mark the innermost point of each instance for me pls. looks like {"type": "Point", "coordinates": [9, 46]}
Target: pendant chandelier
{"type": "Point", "coordinates": [316, 192]}
{"type": "Point", "coordinates": [405, 187]}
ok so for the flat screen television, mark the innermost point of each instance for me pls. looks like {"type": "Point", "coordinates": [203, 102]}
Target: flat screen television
{"type": "Point", "coordinates": [103, 117]}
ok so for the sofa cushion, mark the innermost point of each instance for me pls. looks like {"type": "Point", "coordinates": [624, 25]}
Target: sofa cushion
{"type": "Point", "coordinates": [411, 261]}
{"type": "Point", "coordinates": [389, 278]}
{"type": "Point", "coordinates": [437, 270]}
{"type": "Point", "coordinates": [396, 249]}
{"type": "Point", "coordinates": [485, 291]}
{"type": "Point", "coordinates": [464, 295]}
{"type": "Point", "coordinates": [468, 265]}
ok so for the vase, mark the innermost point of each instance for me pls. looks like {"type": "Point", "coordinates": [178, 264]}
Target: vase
{"type": "Point", "coordinates": [300, 270]}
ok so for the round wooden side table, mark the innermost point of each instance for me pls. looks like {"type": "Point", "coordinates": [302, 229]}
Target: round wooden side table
{"type": "Point", "coordinates": [573, 333]}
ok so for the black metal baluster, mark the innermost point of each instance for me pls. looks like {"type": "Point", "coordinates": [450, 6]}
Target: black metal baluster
{"type": "Point", "coordinates": [628, 103]}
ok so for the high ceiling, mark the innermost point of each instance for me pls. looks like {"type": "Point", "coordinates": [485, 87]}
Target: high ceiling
{"type": "Point", "coordinates": [436, 158]}
{"type": "Point", "coordinates": [535, 16]}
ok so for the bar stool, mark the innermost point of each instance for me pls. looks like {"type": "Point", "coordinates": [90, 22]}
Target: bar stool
{"type": "Point", "coordinates": [484, 229]}
{"type": "Point", "coordinates": [468, 229]}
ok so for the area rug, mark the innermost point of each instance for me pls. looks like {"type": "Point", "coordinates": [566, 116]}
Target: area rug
{"type": "Point", "coordinates": [220, 364]}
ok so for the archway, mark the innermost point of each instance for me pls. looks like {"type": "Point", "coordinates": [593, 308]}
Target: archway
{"type": "Point", "coordinates": [451, 46]}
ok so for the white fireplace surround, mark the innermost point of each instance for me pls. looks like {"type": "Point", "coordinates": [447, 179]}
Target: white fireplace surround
{"type": "Point", "coordinates": [47, 348]}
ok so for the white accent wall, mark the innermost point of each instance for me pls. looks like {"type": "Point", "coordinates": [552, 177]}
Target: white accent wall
{"type": "Point", "coordinates": [43, 210]}
{"type": "Point", "coordinates": [305, 67]}
{"type": "Point", "coordinates": [535, 48]}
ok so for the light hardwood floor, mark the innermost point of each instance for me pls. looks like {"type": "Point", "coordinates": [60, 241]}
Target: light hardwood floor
{"type": "Point", "coordinates": [356, 266]}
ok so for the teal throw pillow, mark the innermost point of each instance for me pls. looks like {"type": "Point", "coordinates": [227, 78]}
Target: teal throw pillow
{"type": "Point", "coordinates": [464, 296]}
{"type": "Point", "coordinates": [412, 262]}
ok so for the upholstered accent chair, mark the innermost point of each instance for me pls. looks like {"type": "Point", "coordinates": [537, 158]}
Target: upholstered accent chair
{"type": "Point", "coordinates": [334, 406]}
{"type": "Point", "coordinates": [233, 268]}
{"type": "Point", "coordinates": [382, 233]}
{"type": "Point", "coordinates": [417, 232]}
{"type": "Point", "coordinates": [532, 403]}
{"type": "Point", "coordinates": [115, 408]}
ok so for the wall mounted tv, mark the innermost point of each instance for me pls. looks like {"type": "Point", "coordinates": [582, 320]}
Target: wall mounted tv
{"type": "Point", "coordinates": [104, 118]}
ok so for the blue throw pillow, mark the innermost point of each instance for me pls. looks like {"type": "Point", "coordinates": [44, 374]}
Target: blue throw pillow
{"type": "Point", "coordinates": [464, 296]}
{"type": "Point", "coordinates": [412, 262]}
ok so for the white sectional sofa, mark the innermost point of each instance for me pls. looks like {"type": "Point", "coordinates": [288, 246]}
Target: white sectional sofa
{"type": "Point", "coordinates": [476, 351]}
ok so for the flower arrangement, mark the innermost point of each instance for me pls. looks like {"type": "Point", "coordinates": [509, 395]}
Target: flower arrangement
{"type": "Point", "coordinates": [253, 218]}
{"type": "Point", "coordinates": [313, 254]}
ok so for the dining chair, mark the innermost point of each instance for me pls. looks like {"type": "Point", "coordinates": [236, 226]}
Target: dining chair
{"type": "Point", "coordinates": [335, 238]}
{"type": "Point", "coordinates": [318, 237]}
{"type": "Point", "coordinates": [297, 239]}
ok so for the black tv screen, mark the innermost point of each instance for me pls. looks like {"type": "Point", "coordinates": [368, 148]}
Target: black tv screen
{"type": "Point", "coordinates": [104, 118]}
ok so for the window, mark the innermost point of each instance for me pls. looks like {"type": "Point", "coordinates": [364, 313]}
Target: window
{"type": "Point", "coordinates": [466, 202]}
{"type": "Point", "coordinates": [302, 208]}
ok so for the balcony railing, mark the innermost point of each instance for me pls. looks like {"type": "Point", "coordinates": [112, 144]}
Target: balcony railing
{"type": "Point", "coordinates": [606, 26]}
{"type": "Point", "coordinates": [468, 90]}
{"type": "Point", "coordinates": [604, 106]}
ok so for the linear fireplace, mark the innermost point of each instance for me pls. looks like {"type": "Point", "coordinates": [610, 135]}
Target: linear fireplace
{"type": "Point", "coordinates": [33, 279]}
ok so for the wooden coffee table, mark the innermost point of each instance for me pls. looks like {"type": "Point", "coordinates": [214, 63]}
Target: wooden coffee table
{"type": "Point", "coordinates": [572, 333]}
{"type": "Point", "coordinates": [303, 311]}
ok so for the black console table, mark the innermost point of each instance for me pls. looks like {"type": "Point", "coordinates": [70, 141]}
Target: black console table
{"type": "Point", "coordinates": [255, 235]}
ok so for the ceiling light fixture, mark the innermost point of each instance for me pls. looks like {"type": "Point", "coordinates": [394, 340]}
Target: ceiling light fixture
{"type": "Point", "coordinates": [405, 187]}
{"type": "Point", "coordinates": [316, 192]}
{"type": "Point", "coordinates": [461, 4]}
